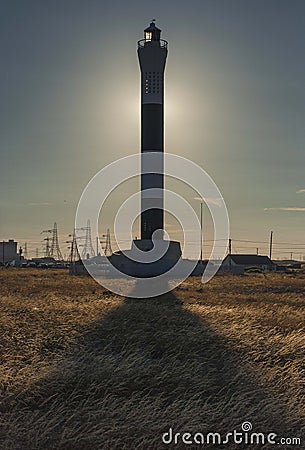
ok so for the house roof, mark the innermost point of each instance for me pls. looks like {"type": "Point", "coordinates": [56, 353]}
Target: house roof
{"type": "Point", "coordinates": [253, 260]}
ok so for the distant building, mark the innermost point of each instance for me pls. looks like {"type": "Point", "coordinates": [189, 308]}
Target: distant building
{"type": "Point", "coordinates": [238, 263]}
{"type": "Point", "coordinates": [8, 251]}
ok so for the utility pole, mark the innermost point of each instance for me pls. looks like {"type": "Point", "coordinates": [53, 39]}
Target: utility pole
{"type": "Point", "coordinates": [201, 222]}
{"type": "Point", "coordinates": [72, 246]}
{"type": "Point", "coordinates": [25, 250]}
{"type": "Point", "coordinates": [257, 251]}
{"type": "Point", "coordinates": [47, 249]}
{"type": "Point", "coordinates": [74, 254]}
{"type": "Point", "coordinates": [270, 246]}
{"type": "Point", "coordinates": [3, 252]}
{"type": "Point", "coordinates": [291, 256]}
{"type": "Point", "coordinates": [97, 245]}
{"type": "Point", "coordinates": [107, 249]}
{"type": "Point", "coordinates": [230, 254]}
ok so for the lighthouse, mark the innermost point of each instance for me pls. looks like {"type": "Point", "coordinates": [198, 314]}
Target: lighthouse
{"type": "Point", "coordinates": [152, 54]}
{"type": "Point", "coordinates": [158, 255]}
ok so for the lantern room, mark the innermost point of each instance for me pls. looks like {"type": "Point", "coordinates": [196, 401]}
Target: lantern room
{"type": "Point", "coordinates": [152, 33]}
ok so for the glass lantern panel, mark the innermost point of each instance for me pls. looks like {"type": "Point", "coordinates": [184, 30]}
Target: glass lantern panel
{"type": "Point", "coordinates": [148, 36]}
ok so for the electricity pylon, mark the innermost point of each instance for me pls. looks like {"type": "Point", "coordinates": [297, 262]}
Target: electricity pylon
{"type": "Point", "coordinates": [54, 249]}
{"type": "Point", "coordinates": [74, 254]}
{"type": "Point", "coordinates": [88, 250]}
{"type": "Point", "coordinates": [107, 249]}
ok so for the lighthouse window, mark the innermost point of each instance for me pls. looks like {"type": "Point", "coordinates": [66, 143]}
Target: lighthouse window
{"type": "Point", "coordinates": [148, 36]}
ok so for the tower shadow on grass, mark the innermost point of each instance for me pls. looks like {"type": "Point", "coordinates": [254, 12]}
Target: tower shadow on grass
{"type": "Point", "coordinates": [147, 366]}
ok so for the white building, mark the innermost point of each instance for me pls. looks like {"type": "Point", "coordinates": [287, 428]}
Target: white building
{"type": "Point", "coordinates": [238, 263]}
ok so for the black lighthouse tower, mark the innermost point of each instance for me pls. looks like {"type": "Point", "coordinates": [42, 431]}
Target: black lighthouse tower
{"type": "Point", "coordinates": [152, 53]}
{"type": "Point", "coordinates": [160, 254]}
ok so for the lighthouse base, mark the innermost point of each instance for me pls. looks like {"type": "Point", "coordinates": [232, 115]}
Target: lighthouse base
{"type": "Point", "coordinates": [125, 263]}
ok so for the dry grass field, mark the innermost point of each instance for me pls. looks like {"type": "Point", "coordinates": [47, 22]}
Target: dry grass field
{"type": "Point", "coordinates": [82, 368]}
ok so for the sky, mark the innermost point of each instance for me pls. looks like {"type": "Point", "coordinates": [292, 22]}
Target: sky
{"type": "Point", "coordinates": [234, 104]}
